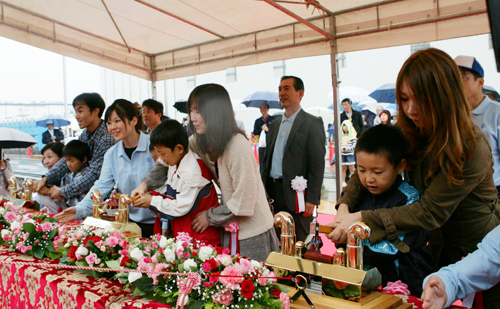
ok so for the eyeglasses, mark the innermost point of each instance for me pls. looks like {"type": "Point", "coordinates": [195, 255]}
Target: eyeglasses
{"type": "Point", "coordinates": [464, 77]}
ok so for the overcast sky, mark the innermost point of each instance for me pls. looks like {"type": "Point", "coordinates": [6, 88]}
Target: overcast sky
{"type": "Point", "coordinates": [31, 74]}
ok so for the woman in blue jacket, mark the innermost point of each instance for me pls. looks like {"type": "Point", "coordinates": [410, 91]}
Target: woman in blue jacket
{"type": "Point", "coordinates": [125, 164]}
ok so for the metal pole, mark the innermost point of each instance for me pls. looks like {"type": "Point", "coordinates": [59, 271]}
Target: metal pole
{"type": "Point", "coordinates": [153, 77]}
{"type": "Point", "coordinates": [336, 109]}
{"type": "Point", "coordinates": [65, 92]}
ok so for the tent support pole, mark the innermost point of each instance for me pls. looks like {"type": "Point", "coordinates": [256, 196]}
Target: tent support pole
{"type": "Point", "coordinates": [336, 107]}
{"type": "Point", "coordinates": [153, 77]}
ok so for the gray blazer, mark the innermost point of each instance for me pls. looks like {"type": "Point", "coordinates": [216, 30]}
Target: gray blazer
{"type": "Point", "coordinates": [304, 156]}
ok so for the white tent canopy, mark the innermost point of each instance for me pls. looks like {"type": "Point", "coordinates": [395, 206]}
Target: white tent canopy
{"type": "Point", "coordinates": [158, 39]}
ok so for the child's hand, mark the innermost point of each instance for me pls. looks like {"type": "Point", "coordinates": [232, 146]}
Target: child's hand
{"type": "Point", "coordinates": [200, 223]}
{"type": "Point", "coordinates": [143, 202]}
{"type": "Point", "coordinates": [140, 190]}
{"type": "Point", "coordinates": [55, 193]}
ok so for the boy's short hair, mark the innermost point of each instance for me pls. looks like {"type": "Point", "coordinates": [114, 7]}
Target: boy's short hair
{"type": "Point", "coordinates": [151, 147]}
{"type": "Point", "coordinates": [92, 100]}
{"type": "Point", "coordinates": [156, 106]}
{"type": "Point", "coordinates": [384, 140]}
{"type": "Point", "coordinates": [169, 133]}
{"type": "Point", "coordinates": [77, 149]}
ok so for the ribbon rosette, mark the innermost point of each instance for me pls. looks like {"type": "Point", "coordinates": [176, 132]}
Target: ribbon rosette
{"type": "Point", "coordinates": [234, 243]}
{"type": "Point", "coordinates": [299, 184]}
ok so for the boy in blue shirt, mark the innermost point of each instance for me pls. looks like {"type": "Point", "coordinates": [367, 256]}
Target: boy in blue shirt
{"type": "Point", "coordinates": [77, 155]}
{"type": "Point", "coordinates": [381, 158]}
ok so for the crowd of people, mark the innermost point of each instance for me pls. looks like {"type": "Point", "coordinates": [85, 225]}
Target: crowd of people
{"type": "Point", "coordinates": [427, 187]}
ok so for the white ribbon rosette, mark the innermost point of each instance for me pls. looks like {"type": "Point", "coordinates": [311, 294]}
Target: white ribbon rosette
{"type": "Point", "coordinates": [299, 184]}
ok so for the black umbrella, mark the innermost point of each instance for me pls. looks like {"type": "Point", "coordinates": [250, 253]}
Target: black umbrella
{"type": "Point", "coordinates": [12, 138]}
{"type": "Point", "coordinates": [181, 106]}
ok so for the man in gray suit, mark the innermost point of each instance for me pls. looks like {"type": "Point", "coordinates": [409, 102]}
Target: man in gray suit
{"type": "Point", "coordinates": [295, 147]}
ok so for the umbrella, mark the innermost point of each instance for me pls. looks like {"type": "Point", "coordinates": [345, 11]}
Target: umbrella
{"type": "Point", "coordinates": [355, 94]}
{"type": "Point", "coordinates": [12, 138]}
{"type": "Point", "coordinates": [258, 98]}
{"type": "Point", "coordinates": [331, 129]}
{"type": "Point", "coordinates": [57, 120]}
{"type": "Point", "coordinates": [181, 106]}
{"type": "Point", "coordinates": [491, 92]}
{"type": "Point", "coordinates": [325, 113]}
{"type": "Point", "coordinates": [385, 93]}
{"type": "Point", "coordinates": [391, 107]}
{"type": "Point", "coordinates": [369, 116]}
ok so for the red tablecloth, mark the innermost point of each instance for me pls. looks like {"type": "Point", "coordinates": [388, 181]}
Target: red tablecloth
{"type": "Point", "coordinates": [24, 287]}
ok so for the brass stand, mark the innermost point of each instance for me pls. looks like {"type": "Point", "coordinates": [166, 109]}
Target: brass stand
{"type": "Point", "coordinates": [121, 222]}
{"type": "Point", "coordinates": [291, 259]}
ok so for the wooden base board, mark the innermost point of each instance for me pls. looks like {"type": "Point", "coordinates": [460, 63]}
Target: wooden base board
{"type": "Point", "coordinates": [377, 300]}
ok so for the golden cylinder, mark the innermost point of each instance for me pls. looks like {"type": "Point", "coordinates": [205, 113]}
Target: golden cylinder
{"type": "Point", "coordinates": [357, 232]}
{"type": "Point", "coordinates": [285, 221]}
{"type": "Point", "coordinates": [12, 186]}
{"type": "Point", "coordinates": [122, 214]}
{"type": "Point", "coordinates": [97, 210]}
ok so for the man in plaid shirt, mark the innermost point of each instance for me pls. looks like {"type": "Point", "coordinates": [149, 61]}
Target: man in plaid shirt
{"type": "Point", "coordinates": [89, 108]}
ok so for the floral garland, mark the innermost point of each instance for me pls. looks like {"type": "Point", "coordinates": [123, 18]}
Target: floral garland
{"type": "Point", "coordinates": [224, 279]}
{"type": "Point", "coordinates": [213, 278]}
{"type": "Point", "coordinates": [30, 233]}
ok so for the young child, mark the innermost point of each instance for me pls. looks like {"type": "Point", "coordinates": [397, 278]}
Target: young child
{"type": "Point", "coordinates": [77, 155]}
{"type": "Point", "coordinates": [153, 152]}
{"type": "Point", "coordinates": [189, 188]}
{"type": "Point", "coordinates": [348, 142]}
{"type": "Point", "coordinates": [52, 153]}
{"type": "Point", "coordinates": [381, 158]}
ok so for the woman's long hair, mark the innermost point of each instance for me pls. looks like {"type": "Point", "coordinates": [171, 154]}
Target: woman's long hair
{"type": "Point", "coordinates": [214, 105]}
{"type": "Point", "coordinates": [125, 110]}
{"type": "Point", "coordinates": [443, 110]}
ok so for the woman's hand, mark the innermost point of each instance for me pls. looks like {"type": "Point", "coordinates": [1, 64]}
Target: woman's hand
{"type": "Point", "coordinates": [2, 165]}
{"type": "Point", "coordinates": [39, 183]}
{"type": "Point", "coordinates": [66, 215]}
{"type": "Point", "coordinates": [140, 190]}
{"type": "Point", "coordinates": [339, 234]}
{"type": "Point", "coordinates": [434, 295]}
{"type": "Point", "coordinates": [200, 222]}
{"type": "Point", "coordinates": [143, 202]}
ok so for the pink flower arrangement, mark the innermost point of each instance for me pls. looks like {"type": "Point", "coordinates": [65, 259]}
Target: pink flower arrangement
{"type": "Point", "coordinates": [397, 287]}
{"type": "Point", "coordinates": [10, 216]}
{"type": "Point", "coordinates": [285, 299]}
{"type": "Point", "coordinates": [224, 297]}
{"type": "Point", "coordinates": [233, 279]}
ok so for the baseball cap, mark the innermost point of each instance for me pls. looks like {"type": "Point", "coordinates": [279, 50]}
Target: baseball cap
{"type": "Point", "coordinates": [49, 122]}
{"type": "Point", "coordinates": [470, 63]}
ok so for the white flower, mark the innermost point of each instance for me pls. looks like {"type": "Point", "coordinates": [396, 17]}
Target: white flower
{"type": "Point", "coordinates": [299, 183]}
{"type": "Point", "coordinates": [190, 263]}
{"type": "Point", "coordinates": [163, 242]}
{"type": "Point", "coordinates": [226, 260]}
{"type": "Point", "coordinates": [5, 232]}
{"type": "Point", "coordinates": [169, 255]}
{"type": "Point", "coordinates": [256, 264]}
{"type": "Point", "coordinates": [15, 225]}
{"type": "Point", "coordinates": [2, 210]}
{"type": "Point", "coordinates": [136, 254]}
{"type": "Point", "coordinates": [179, 246]}
{"type": "Point", "coordinates": [205, 253]}
{"type": "Point", "coordinates": [134, 276]}
{"type": "Point", "coordinates": [82, 251]}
